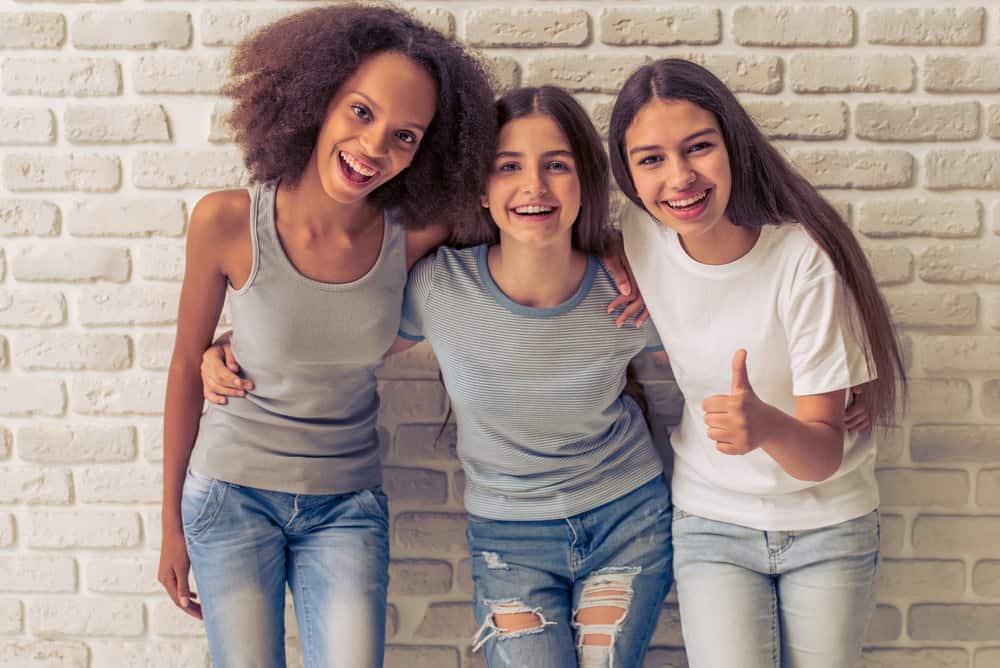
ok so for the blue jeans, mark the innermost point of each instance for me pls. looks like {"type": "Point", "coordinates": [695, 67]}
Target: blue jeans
{"type": "Point", "coordinates": [332, 550]}
{"type": "Point", "coordinates": [615, 558]}
{"type": "Point", "coordinates": [764, 599]}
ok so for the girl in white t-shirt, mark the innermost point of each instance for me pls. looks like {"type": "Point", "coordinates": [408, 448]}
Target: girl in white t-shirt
{"type": "Point", "coordinates": [770, 314]}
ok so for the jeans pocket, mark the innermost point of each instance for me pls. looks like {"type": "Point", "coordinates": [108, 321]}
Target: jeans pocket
{"type": "Point", "coordinates": [373, 502]}
{"type": "Point", "coordinates": [201, 500]}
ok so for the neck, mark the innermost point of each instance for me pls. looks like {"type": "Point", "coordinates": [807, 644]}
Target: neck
{"type": "Point", "coordinates": [306, 205]}
{"type": "Point", "coordinates": [539, 276]}
{"type": "Point", "coordinates": [728, 243]}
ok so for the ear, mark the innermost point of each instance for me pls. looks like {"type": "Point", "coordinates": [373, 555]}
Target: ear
{"type": "Point", "coordinates": [485, 202]}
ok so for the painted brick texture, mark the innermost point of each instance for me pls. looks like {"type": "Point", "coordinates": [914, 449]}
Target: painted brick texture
{"type": "Point", "coordinates": [111, 128]}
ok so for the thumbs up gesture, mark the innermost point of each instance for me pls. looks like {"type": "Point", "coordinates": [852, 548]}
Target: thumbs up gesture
{"type": "Point", "coordinates": [736, 420]}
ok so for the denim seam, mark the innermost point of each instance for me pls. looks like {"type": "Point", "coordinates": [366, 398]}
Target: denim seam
{"type": "Point", "coordinates": [775, 646]}
{"type": "Point", "coordinates": [202, 526]}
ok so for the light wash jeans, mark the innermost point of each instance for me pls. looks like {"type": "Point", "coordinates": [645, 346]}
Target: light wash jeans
{"type": "Point", "coordinates": [616, 555]}
{"type": "Point", "coordinates": [769, 599]}
{"type": "Point", "coordinates": [245, 544]}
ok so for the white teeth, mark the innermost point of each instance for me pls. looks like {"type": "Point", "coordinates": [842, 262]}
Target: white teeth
{"type": "Point", "coordinates": [533, 209]}
{"type": "Point", "coordinates": [681, 203]}
{"type": "Point", "coordinates": [357, 166]}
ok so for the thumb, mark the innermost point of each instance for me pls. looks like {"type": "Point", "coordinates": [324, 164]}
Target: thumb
{"type": "Point", "coordinates": [183, 590]}
{"type": "Point", "coordinates": [741, 380]}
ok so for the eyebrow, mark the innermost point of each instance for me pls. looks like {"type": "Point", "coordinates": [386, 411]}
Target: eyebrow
{"type": "Point", "coordinates": [375, 105]}
{"type": "Point", "coordinates": [651, 147]}
{"type": "Point", "coordinates": [547, 154]}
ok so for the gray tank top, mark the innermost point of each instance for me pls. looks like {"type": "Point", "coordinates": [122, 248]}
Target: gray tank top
{"type": "Point", "coordinates": [311, 349]}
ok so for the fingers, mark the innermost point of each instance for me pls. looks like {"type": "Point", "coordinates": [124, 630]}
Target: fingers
{"type": "Point", "coordinates": [231, 363]}
{"type": "Point", "coordinates": [186, 599]}
{"type": "Point", "coordinates": [741, 380]}
{"type": "Point", "coordinates": [618, 302]}
{"type": "Point", "coordinates": [632, 310]}
{"type": "Point", "coordinates": [718, 403]}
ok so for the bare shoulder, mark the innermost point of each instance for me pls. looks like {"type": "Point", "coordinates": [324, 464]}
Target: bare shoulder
{"type": "Point", "coordinates": [222, 216]}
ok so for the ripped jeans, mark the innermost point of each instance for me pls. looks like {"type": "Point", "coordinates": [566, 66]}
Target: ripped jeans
{"type": "Point", "coordinates": [584, 591]}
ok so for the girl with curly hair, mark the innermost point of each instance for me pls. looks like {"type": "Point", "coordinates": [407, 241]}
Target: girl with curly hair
{"type": "Point", "coordinates": [770, 313]}
{"type": "Point", "coordinates": [366, 133]}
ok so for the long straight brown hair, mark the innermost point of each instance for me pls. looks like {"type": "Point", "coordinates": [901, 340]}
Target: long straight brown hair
{"type": "Point", "coordinates": [766, 190]}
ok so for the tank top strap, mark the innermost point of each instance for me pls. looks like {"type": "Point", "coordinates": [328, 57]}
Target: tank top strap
{"type": "Point", "coordinates": [395, 240]}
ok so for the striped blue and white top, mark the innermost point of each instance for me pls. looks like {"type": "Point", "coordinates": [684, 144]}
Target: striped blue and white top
{"type": "Point", "coordinates": [544, 431]}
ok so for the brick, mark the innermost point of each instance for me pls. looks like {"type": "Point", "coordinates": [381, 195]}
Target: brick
{"type": "Point", "coordinates": [988, 487]}
{"type": "Point", "coordinates": [662, 656]}
{"type": "Point", "coordinates": [228, 27]}
{"type": "Point", "coordinates": [885, 625]}
{"type": "Point", "coordinates": [57, 617]}
{"type": "Point", "coordinates": [32, 30]}
{"type": "Point", "coordinates": [986, 579]}
{"type": "Point", "coordinates": [118, 395]}
{"type": "Point", "coordinates": [153, 521]}
{"type": "Point", "coordinates": [448, 620]}
{"type": "Point", "coordinates": [166, 619]}
{"type": "Point", "coordinates": [189, 169]}
{"type": "Point", "coordinates": [891, 535]}
{"type": "Point", "coordinates": [59, 443]}
{"type": "Point", "coordinates": [954, 622]}
{"type": "Point", "coordinates": [851, 73]}
{"type": "Point", "coordinates": [31, 308]}
{"type": "Point", "coordinates": [882, 121]}
{"type": "Point", "coordinates": [933, 310]}
{"type": "Point", "coordinates": [431, 533]}
{"type": "Point", "coordinates": [152, 441]}
{"type": "Point", "coordinates": [955, 536]}
{"type": "Point", "coordinates": [421, 656]}
{"type": "Point", "coordinates": [439, 19]}
{"type": "Point", "coordinates": [583, 73]}
{"type": "Point", "coordinates": [960, 353]}
{"type": "Point", "coordinates": [413, 400]}
{"type": "Point", "coordinates": [883, 657]}
{"type": "Point", "coordinates": [417, 363]}
{"type": "Point", "coordinates": [924, 488]}
{"type": "Point", "coordinates": [30, 395]}
{"type": "Point", "coordinates": [506, 72]}
{"type": "Point", "coordinates": [148, 653]}
{"type": "Point", "coordinates": [27, 217]}
{"type": "Point", "coordinates": [420, 442]}
{"type": "Point", "coordinates": [743, 73]}
{"type": "Point", "coordinates": [128, 218]}
{"type": "Point", "coordinates": [149, 305]}
{"type": "Point", "coordinates": [962, 74]}
{"type": "Point", "coordinates": [11, 616]}
{"type": "Point", "coordinates": [459, 485]}
{"type": "Point", "coordinates": [987, 657]}
{"type": "Point", "coordinates": [865, 170]}
{"type": "Point", "coordinates": [419, 577]}
{"type": "Point", "coordinates": [527, 27]}
{"type": "Point", "coordinates": [925, 27]}
{"type": "Point", "coordinates": [937, 217]}
{"type": "Point", "coordinates": [666, 26]}
{"type": "Point", "coordinates": [68, 171]}
{"type": "Point", "coordinates": [23, 126]}
{"type": "Point", "coordinates": [35, 485]}
{"type": "Point", "coordinates": [799, 120]}
{"type": "Point", "coordinates": [4, 451]}
{"type": "Point", "coordinates": [155, 350]}
{"type": "Point", "coordinates": [180, 74]}
{"type": "Point", "coordinates": [88, 529]}
{"type": "Point", "coordinates": [793, 26]}
{"type": "Point", "coordinates": [60, 77]}
{"type": "Point", "coordinates": [463, 576]}
{"type": "Point", "coordinates": [412, 485]}
{"type": "Point", "coordinates": [60, 350]}
{"type": "Point", "coordinates": [37, 573]}
{"type": "Point", "coordinates": [993, 121]}
{"type": "Point", "coordinates": [140, 29]}
{"type": "Point", "coordinates": [42, 654]}
{"type": "Point", "coordinates": [124, 483]}
{"type": "Point", "coordinates": [963, 169]}
{"type": "Point", "coordinates": [940, 398]}
{"type": "Point", "coordinates": [161, 261]}
{"type": "Point", "coordinates": [989, 400]}
{"type": "Point", "coordinates": [891, 266]}
{"type": "Point", "coordinates": [935, 443]}
{"type": "Point", "coordinates": [959, 264]}
{"type": "Point", "coordinates": [220, 131]}
{"type": "Point", "coordinates": [131, 124]}
{"type": "Point", "coordinates": [70, 262]}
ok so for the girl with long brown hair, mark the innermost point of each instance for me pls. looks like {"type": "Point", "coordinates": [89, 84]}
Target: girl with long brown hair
{"type": "Point", "coordinates": [770, 314]}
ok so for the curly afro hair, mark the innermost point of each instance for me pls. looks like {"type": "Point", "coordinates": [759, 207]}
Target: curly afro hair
{"type": "Point", "coordinates": [284, 76]}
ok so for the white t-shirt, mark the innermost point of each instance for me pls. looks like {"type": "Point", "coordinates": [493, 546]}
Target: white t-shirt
{"type": "Point", "coordinates": [785, 304]}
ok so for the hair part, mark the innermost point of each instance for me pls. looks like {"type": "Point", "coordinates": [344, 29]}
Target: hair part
{"type": "Point", "coordinates": [767, 190]}
{"type": "Point", "coordinates": [592, 228]}
{"type": "Point", "coordinates": [284, 76]}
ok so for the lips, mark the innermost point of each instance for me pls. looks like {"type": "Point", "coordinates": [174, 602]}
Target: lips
{"type": "Point", "coordinates": [355, 170]}
{"type": "Point", "coordinates": [687, 202]}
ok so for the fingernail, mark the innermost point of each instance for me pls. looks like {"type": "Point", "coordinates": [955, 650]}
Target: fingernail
{"type": "Point", "coordinates": [184, 601]}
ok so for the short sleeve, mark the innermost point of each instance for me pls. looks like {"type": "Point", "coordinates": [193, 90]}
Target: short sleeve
{"type": "Point", "coordinates": [823, 333]}
{"type": "Point", "coordinates": [418, 289]}
{"type": "Point", "coordinates": [653, 343]}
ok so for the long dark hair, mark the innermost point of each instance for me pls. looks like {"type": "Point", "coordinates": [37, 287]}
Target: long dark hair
{"type": "Point", "coordinates": [766, 190]}
{"type": "Point", "coordinates": [592, 228]}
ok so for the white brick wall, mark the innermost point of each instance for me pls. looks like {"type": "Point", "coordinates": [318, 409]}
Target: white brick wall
{"type": "Point", "coordinates": [111, 129]}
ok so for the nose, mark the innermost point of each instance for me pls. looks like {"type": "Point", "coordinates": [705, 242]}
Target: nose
{"type": "Point", "coordinates": [680, 175]}
{"type": "Point", "coordinates": [375, 141]}
{"type": "Point", "coordinates": [533, 181]}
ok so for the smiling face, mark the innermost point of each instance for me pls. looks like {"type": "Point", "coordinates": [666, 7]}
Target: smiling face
{"type": "Point", "coordinates": [680, 167]}
{"type": "Point", "coordinates": [533, 193]}
{"type": "Point", "coordinates": [373, 126]}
